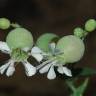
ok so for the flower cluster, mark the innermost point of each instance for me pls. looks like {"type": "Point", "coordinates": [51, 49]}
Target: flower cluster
{"type": "Point", "coordinates": [18, 55]}
{"type": "Point", "coordinates": [49, 54]}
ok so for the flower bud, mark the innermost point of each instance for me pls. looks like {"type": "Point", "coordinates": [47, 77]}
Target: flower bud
{"type": "Point", "coordinates": [90, 25]}
{"type": "Point", "coordinates": [4, 23]}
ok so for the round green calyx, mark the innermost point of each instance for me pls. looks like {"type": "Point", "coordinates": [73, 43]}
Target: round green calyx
{"type": "Point", "coordinates": [79, 32]}
{"type": "Point", "coordinates": [44, 40]}
{"type": "Point", "coordinates": [72, 48]}
{"type": "Point", "coordinates": [19, 38]}
{"type": "Point", "coordinates": [4, 23]}
{"type": "Point", "coordinates": [19, 55]}
{"type": "Point", "coordinates": [90, 25]}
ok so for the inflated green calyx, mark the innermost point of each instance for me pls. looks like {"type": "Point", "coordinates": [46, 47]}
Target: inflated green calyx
{"type": "Point", "coordinates": [19, 38]}
{"type": "Point", "coordinates": [73, 48]}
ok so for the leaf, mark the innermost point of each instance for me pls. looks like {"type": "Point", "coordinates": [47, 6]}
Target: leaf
{"type": "Point", "coordinates": [88, 72]}
{"type": "Point", "coordinates": [70, 84]}
{"type": "Point", "coordinates": [80, 90]}
{"type": "Point", "coordinates": [77, 91]}
{"type": "Point", "coordinates": [44, 40]}
{"type": "Point", "coordinates": [83, 72]}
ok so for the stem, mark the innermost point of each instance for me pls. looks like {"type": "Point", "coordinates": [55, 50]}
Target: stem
{"type": "Point", "coordinates": [79, 91]}
{"type": "Point", "coordinates": [15, 25]}
{"type": "Point", "coordinates": [70, 84]}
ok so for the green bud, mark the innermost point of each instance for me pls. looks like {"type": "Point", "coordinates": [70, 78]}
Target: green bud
{"type": "Point", "coordinates": [19, 38]}
{"type": "Point", "coordinates": [44, 40]}
{"type": "Point", "coordinates": [4, 23]}
{"type": "Point", "coordinates": [79, 32]}
{"type": "Point", "coordinates": [72, 48]}
{"type": "Point", "coordinates": [90, 25]}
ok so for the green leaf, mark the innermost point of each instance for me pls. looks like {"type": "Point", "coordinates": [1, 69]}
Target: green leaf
{"type": "Point", "coordinates": [70, 84]}
{"type": "Point", "coordinates": [87, 72]}
{"type": "Point", "coordinates": [83, 72]}
{"type": "Point", "coordinates": [80, 90]}
{"type": "Point", "coordinates": [44, 40]}
{"type": "Point", "coordinates": [77, 91]}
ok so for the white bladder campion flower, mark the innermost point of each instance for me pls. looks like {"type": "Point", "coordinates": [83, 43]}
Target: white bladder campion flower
{"type": "Point", "coordinates": [19, 41]}
{"type": "Point", "coordinates": [69, 49]}
{"type": "Point", "coordinates": [48, 65]}
{"type": "Point", "coordinates": [18, 45]}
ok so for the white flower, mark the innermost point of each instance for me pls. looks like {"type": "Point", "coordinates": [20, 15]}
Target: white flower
{"type": "Point", "coordinates": [48, 66]}
{"type": "Point", "coordinates": [9, 67]}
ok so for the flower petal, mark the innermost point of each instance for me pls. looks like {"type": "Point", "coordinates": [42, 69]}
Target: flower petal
{"type": "Point", "coordinates": [37, 53]}
{"type": "Point", "coordinates": [36, 50]}
{"type": "Point", "coordinates": [60, 69]}
{"type": "Point", "coordinates": [52, 45]}
{"type": "Point", "coordinates": [29, 69]}
{"type": "Point", "coordinates": [4, 67]}
{"type": "Point", "coordinates": [38, 57]}
{"type": "Point", "coordinates": [67, 71]}
{"type": "Point", "coordinates": [4, 47]}
{"type": "Point", "coordinates": [45, 68]}
{"type": "Point", "coordinates": [51, 74]}
{"type": "Point", "coordinates": [11, 69]}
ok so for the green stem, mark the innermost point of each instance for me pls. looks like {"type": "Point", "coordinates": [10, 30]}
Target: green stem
{"type": "Point", "coordinates": [79, 91]}
{"type": "Point", "coordinates": [15, 25]}
{"type": "Point", "coordinates": [70, 85]}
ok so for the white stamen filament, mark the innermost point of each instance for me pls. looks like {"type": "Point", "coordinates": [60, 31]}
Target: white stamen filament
{"type": "Point", "coordinates": [44, 63]}
{"type": "Point", "coordinates": [47, 67]}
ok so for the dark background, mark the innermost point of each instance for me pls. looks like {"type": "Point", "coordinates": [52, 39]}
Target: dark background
{"type": "Point", "coordinates": [40, 16]}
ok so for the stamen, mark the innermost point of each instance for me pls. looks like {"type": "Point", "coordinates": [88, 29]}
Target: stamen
{"type": "Point", "coordinates": [44, 63]}
{"type": "Point", "coordinates": [47, 67]}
